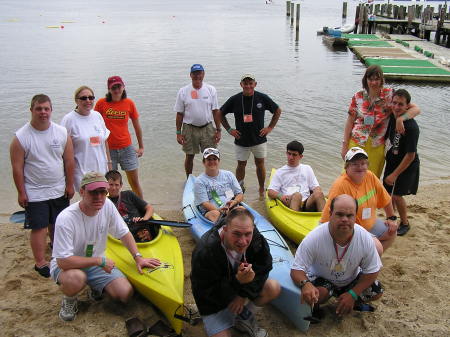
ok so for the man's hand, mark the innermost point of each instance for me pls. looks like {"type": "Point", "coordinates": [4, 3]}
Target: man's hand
{"type": "Point", "coordinates": [235, 133]}
{"type": "Point", "coordinates": [345, 304]}
{"type": "Point", "coordinates": [22, 199]}
{"type": "Point", "coordinates": [181, 140]}
{"type": "Point", "coordinates": [142, 262]}
{"type": "Point", "coordinates": [399, 127]}
{"type": "Point", "coordinates": [392, 226]}
{"type": "Point", "coordinates": [108, 266]}
{"type": "Point", "coordinates": [390, 179]}
{"type": "Point", "coordinates": [310, 294]}
{"type": "Point", "coordinates": [140, 152]}
{"type": "Point", "coordinates": [245, 273]}
{"type": "Point", "coordinates": [69, 192]}
{"type": "Point", "coordinates": [236, 305]}
{"type": "Point", "coordinates": [265, 131]}
{"type": "Point", "coordinates": [217, 137]}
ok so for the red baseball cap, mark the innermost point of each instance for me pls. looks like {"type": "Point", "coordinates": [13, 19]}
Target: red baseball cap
{"type": "Point", "coordinates": [114, 80]}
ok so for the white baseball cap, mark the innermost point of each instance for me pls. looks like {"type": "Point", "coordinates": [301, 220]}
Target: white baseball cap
{"type": "Point", "coordinates": [353, 152]}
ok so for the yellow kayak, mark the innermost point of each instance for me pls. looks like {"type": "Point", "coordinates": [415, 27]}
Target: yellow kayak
{"type": "Point", "coordinates": [295, 225]}
{"type": "Point", "coordinates": [163, 286]}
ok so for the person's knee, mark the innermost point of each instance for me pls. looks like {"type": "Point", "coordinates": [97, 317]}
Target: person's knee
{"type": "Point", "coordinates": [73, 280]}
{"type": "Point", "coordinates": [212, 215]}
{"type": "Point", "coordinates": [259, 162]}
{"type": "Point", "coordinates": [271, 289]}
{"type": "Point", "coordinates": [378, 246]}
{"type": "Point", "coordinates": [120, 289]}
{"type": "Point", "coordinates": [241, 164]}
{"type": "Point", "coordinates": [317, 195]}
{"type": "Point", "coordinates": [297, 196]}
{"type": "Point", "coordinates": [324, 294]}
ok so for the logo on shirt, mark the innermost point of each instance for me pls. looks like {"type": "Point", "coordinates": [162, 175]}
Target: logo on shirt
{"type": "Point", "coordinates": [55, 144]}
{"type": "Point", "coordinates": [259, 105]}
{"type": "Point", "coordinates": [114, 114]}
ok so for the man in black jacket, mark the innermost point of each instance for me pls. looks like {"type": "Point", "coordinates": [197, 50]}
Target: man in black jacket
{"type": "Point", "coordinates": [230, 268]}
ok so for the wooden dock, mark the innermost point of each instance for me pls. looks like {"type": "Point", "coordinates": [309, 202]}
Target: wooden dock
{"type": "Point", "coordinates": [403, 57]}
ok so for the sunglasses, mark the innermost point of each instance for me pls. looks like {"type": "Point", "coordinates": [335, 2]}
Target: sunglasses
{"type": "Point", "coordinates": [85, 98]}
{"type": "Point", "coordinates": [98, 191]}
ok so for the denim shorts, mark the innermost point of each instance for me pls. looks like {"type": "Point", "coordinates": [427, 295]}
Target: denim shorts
{"type": "Point", "coordinates": [379, 228]}
{"type": "Point", "coordinates": [219, 321]}
{"type": "Point", "coordinates": [242, 153]}
{"type": "Point", "coordinates": [126, 157]}
{"type": "Point", "coordinates": [40, 214]}
{"type": "Point", "coordinates": [97, 278]}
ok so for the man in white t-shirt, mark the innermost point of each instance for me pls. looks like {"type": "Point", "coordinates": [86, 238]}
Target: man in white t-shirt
{"type": "Point", "coordinates": [79, 248]}
{"type": "Point", "coordinates": [295, 184]}
{"type": "Point", "coordinates": [338, 258]}
{"type": "Point", "coordinates": [42, 164]}
{"type": "Point", "coordinates": [216, 191]}
{"type": "Point", "coordinates": [197, 108]}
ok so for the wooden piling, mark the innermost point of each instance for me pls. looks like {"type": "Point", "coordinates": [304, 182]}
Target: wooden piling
{"type": "Point", "coordinates": [440, 25]}
{"type": "Point", "coordinates": [297, 20]}
{"type": "Point", "coordinates": [410, 18]}
{"type": "Point", "coordinates": [344, 10]}
{"type": "Point", "coordinates": [292, 14]}
{"type": "Point", "coordinates": [358, 8]}
{"type": "Point", "coordinates": [288, 8]}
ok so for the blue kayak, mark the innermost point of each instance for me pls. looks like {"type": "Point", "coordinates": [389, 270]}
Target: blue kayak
{"type": "Point", "coordinates": [289, 300]}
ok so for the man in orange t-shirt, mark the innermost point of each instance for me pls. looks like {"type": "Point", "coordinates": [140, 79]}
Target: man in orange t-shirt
{"type": "Point", "coordinates": [116, 109]}
{"type": "Point", "coordinates": [368, 190]}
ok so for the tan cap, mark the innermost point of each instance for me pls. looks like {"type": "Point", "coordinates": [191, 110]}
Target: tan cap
{"type": "Point", "coordinates": [93, 180]}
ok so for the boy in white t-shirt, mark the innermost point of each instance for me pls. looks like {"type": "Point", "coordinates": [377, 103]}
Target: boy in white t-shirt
{"type": "Point", "coordinates": [295, 184]}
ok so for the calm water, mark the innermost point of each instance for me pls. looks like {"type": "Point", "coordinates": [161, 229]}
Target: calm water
{"type": "Point", "coordinates": [151, 44]}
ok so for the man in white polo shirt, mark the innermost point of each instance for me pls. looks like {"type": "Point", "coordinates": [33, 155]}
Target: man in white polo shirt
{"type": "Point", "coordinates": [197, 107]}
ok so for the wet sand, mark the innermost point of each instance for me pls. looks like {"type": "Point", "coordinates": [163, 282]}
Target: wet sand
{"type": "Point", "coordinates": [415, 276]}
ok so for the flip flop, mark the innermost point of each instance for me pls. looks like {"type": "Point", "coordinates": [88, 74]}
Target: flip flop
{"type": "Point", "coordinates": [135, 327]}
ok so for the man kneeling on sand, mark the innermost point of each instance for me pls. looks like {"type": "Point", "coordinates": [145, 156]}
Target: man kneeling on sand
{"type": "Point", "coordinates": [79, 246]}
{"type": "Point", "coordinates": [338, 258]}
{"type": "Point", "coordinates": [230, 269]}
{"type": "Point", "coordinates": [295, 184]}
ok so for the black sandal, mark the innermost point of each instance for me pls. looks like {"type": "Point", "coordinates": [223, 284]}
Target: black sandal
{"type": "Point", "coordinates": [403, 229]}
{"type": "Point", "coordinates": [44, 271]}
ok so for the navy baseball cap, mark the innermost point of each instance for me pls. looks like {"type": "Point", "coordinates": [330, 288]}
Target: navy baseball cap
{"type": "Point", "coordinates": [197, 67]}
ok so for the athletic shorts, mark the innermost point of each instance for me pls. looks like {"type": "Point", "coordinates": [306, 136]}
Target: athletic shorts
{"type": "Point", "coordinates": [242, 153]}
{"type": "Point", "coordinates": [198, 138]}
{"type": "Point", "coordinates": [97, 278]}
{"type": "Point", "coordinates": [379, 228]}
{"type": "Point", "coordinates": [407, 182]}
{"type": "Point", "coordinates": [219, 321]}
{"type": "Point", "coordinates": [127, 157]}
{"type": "Point", "coordinates": [40, 214]}
{"type": "Point", "coordinates": [374, 290]}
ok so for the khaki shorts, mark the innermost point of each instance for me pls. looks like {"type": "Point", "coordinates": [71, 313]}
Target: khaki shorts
{"type": "Point", "coordinates": [198, 138]}
{"type": "Point", "coordinates": [242, 153]}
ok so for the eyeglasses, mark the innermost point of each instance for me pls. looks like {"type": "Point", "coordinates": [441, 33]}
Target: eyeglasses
{"type": "Point", "coordinates": [85, 98]}
{"type": "Point", "coordinates": [98, 191]}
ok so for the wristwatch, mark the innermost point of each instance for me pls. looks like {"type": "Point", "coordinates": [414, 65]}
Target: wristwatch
{"type": "Point", "coordinates": [137, 255]}
{"type": "Point", "coordinates": [392, 217]}
{"type": "Point", "coordinates": [303, 282]}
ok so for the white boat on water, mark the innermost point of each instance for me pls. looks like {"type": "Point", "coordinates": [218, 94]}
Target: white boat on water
{"type": "Point", "coordinates": [348, 28]}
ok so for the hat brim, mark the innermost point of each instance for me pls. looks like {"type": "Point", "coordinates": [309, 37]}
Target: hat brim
{"type": "Point", "coordinates": [211, 154]}
{"type": "Point", "coordinates": [95, 185]}
{"type": "Point", "coordinates": [114, 83]}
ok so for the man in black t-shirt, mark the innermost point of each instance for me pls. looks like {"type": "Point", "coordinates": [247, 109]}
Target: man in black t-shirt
{"type": "Point", "coordinates": [130, 206]}
{"type": "Point", "coordinates": [402, 162]}
{"type": "Point", "coordinates": [249, 108]}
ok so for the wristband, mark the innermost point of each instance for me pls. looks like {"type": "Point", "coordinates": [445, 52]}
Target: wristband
{"type": "Point", "coordinates": [178, 132]}
{"type": "Point", "coordinates": [109, 161]}
{"type": "Point", "coordinates": [351, 292]}
{"type": "Point", "coordinates": [229, 130]}
{"type": "Point", "coordinates": [405, 116]}
{"type": "Point", "coordinates": [103, 264]}
{"type": "Point", "coordinates": [279, 195]}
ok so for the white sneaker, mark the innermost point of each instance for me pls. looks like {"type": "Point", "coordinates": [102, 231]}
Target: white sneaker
{"type": "Point", "coordinates": [250, 327]}
{"type": "Point", "coordinates": [69, 309]}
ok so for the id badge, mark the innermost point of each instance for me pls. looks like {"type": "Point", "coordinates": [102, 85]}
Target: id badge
{"type": "Point", "coordinates": [194, 94]}
{"type": "Point", "coordinates": [366, 213]}
{"type": "Point", "coordinates": [94, 141]}
{"type": "Point", "coordinates": [89, 249]}
{"type": "Point", "coordinates": [248, 118]}
{"type": "Point", "coordinates": [292, 189]}
{"type": "Point", "coordinates": [387, 146]}
{"type": "Point", "coordinates": [369, 120]}
{"type": "Point", "coordinates": [229, 194]}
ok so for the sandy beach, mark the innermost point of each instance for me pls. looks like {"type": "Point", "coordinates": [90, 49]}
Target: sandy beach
{"type": "Point", "coordinates": [415, 276]}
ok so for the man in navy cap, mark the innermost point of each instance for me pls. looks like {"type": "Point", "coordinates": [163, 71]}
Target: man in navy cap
{"type": "Point", "coordinates": [197, 108]}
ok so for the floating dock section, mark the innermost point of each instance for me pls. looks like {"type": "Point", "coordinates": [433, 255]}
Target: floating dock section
{"type": "Point", "coordinates": [401, 59]}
